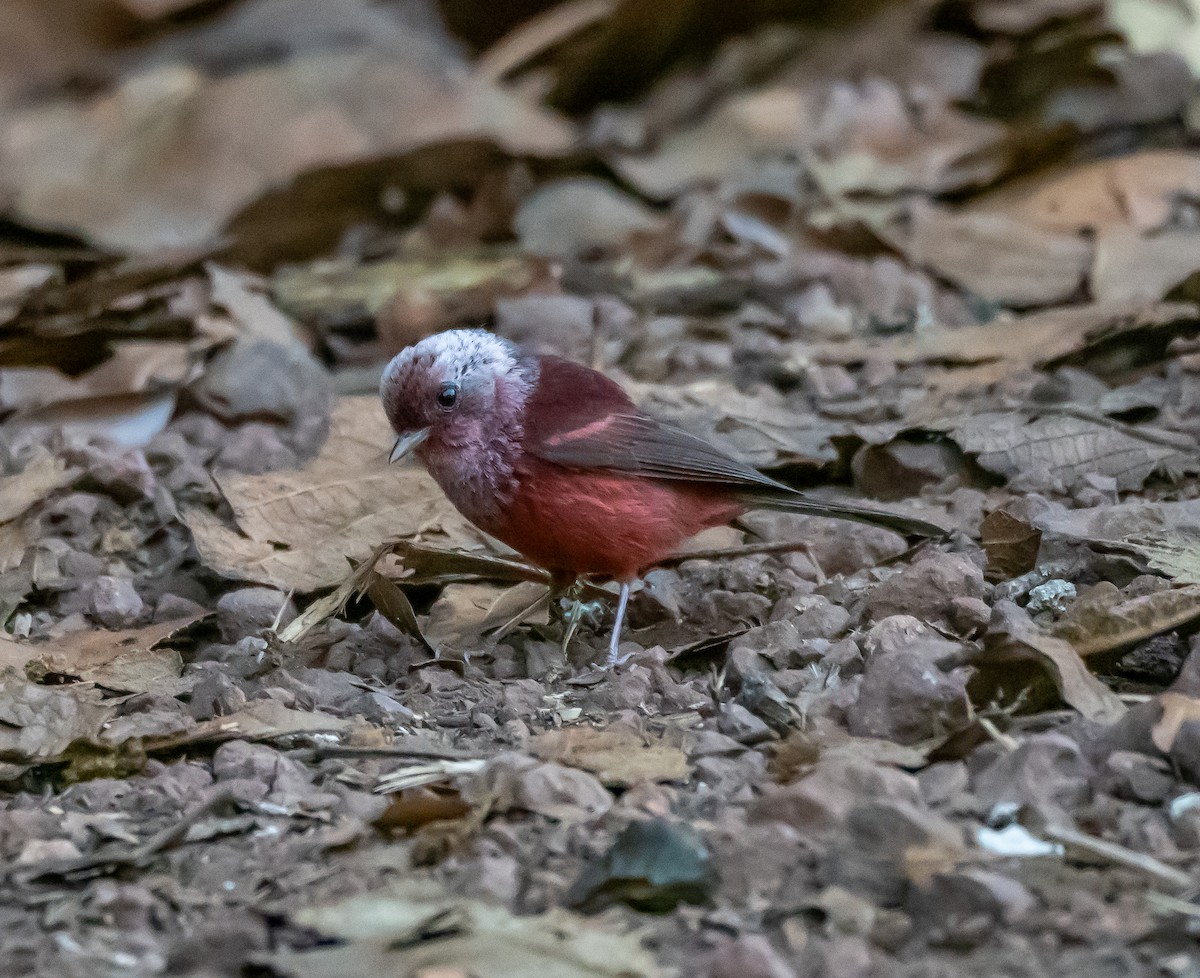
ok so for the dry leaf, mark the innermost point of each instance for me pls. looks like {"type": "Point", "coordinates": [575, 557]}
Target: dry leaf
{"type": "Point", "coordinates": [1062, 448]}
{"type": "Point", "coordinates": [184, 147]}
{"type": "Point", "coordinates": [464, 612]}
{"type": "Point", "coordinates": [414, 807]}
{"type": "Point", "coordinates": [38, 723]}
{"type": "Point", "coordinates": [87, 654]}
{"type": "Point", "coordinates": [1013, 640]}
{"type": "Point", "coordinates": [418, 925]}
{"type": "Point", "coordinates": [618, 756]}
{"type": "Point", "coordinates": [43, 473]}
{"type": "Point", "coordinates": [1010, 543]}
{"type": "Point", "coordinates": [1102, 620]}
{"type": "Point", "coordinates": [997, 257]}
{"type": "Point", "coordinates": [1131, 268]}
{"type": "Point", "coordinates": [297, 528]}
{"type": "Point", "coordinates": [1177, 710]}
{"type": "Point", "coordinates": [1138, 191]}
{"type": "Point", "coordinates": [1165, 535]}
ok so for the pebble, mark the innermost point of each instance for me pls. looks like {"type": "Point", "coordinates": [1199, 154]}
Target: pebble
{"type": "Point", "coordinates": [114, 602]}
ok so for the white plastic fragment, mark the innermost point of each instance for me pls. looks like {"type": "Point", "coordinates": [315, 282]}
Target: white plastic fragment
{"type": "Point", "coordinates": [1015, 840]}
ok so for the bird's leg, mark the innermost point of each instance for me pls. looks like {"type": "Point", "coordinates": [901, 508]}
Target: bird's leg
{"type": "Point", "coordinates": [614, 644]}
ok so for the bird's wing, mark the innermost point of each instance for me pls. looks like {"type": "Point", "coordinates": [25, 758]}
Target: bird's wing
{"type": "Point", "coordinates": [644, 446]}
{"type": "Point", "coordinates": [579, 418]}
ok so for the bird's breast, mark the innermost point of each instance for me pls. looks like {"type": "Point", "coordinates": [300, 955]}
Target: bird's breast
{"type": "Point", "coordinates": [604, 523]}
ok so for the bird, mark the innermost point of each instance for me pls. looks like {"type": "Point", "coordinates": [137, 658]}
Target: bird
{"type": "Point", "coordinates": [553, 459]}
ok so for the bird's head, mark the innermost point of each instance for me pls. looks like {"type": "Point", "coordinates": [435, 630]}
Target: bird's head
{"type": "Point", "coordinates": [454, 390]}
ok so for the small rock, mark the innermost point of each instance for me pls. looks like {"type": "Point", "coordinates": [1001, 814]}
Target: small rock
{"type": "Point", "coordinates": [1127, 774]}
{"type": "Point", "coordinates": [969, 903]}
{"type": "Point", "coordinates": [1046, 777]}
{"type": "Point", "coordinates": [215, 694]}
{"type": "Point", "coordinates": [876, 860]}
{"type": "Point", "coordinates": [969, 615]}
{"type": "Point", "coordinates": [904, 633]}
{"type": "Point", "coordinates": [820, 800]}
{"type": "Point", "coordinates": [557, 324]}
{"type": "Point", "coordinates": [927, 588]}
{"type": "Point", "coordinates": [748, 956]}
{"type": "Point", "coordinates": [127, 476]}
{"type": "Point", "coordinates": [1053, 596]}
{"type": "Point", "coordinates": [172, 607]}
{"type": "Point", "coordinates": [941, 783]}
{"type": "Point", "coordinates": [287, 782]}
{"type": "Point", "coordinates": [114, 602]}
{"type": "Point", "coordinates": [514, 781]}
{"type": "Point", "coordinates": [819, 617]}
{"type": "Point", "coordinates": [742, 725]}
{"type": "Point", "coordinates": [905, 698]}
{"type": "Point", "coordinates": [251, 610]}
{"type": "Point", "coordinates": [260, 378]}
{"type": "Point", "coordinates": [254, 448]}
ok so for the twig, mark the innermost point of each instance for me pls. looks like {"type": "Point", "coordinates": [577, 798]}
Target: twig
{"type": "Point", "coordinates": [1121, 856]}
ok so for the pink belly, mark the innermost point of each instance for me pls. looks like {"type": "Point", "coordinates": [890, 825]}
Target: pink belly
{"type": "Point", "coordinates": [605, 524]}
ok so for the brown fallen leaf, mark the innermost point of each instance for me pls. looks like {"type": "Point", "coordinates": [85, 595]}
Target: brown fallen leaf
{"type": "Point", "coordinates": [1166, 536]}
{"type": "Point", "coordinates": [414, 807]}
{"type": "Point", "coordinates": [1103, 620]}
{"type": "Point", "coordinates": [463, 613]}
{"type": "Point", "coordinates": [1137, 191]}
{"type": "Point", "coordinates": [997, 257]}
{"type": "Point", "coordinates": [354, 83]}
{"type": "Point", "coordinates": [1177, 710]}
{"type": "Point", "coordinates": [419, 925]}
{"type": "Point", "coordinates": [295, 529]}
{"type": "Point", "coordinates": [43, 473]}
{"type": "Point", "coordinates": [127, 661]}
{"type": "Point", "coordinates": [618, 756]}
{"type": "Point", "coordinates": [1011, 545]}
{"type": "Point", "coordinates": [1014, 641]}
{"type": "Point", "coordinates": [38, 723]}
{"type": "Point", "coordinates": [1061, 448]}
{"type": "Point", "coordinates": [258, 720]}
{"type": "Point", "coordinates": [1130, 267]}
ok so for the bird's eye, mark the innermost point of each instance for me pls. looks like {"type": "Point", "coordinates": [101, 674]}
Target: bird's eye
{"type": "Point", "coordinates": [448, 395]}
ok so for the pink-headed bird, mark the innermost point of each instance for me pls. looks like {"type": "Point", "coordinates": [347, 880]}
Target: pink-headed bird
{"type": "Point", "coordinates": [553, 459]}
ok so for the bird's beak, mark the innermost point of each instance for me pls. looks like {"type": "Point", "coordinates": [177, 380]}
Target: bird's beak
{"type": "Point", "coordinates": [406, 443]}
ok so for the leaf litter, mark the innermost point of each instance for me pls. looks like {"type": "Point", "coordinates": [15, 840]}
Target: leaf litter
{"type": "Point", "coordinates": [942, 257]}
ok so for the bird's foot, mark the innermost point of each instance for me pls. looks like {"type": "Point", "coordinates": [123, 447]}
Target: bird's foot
{"type": "Point", "coordinates": [615, 658]}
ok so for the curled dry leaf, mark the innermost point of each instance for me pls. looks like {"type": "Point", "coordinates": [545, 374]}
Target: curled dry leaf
{"type": "Point", "coordinates": [996, 257]}
{"type": "Point", "coordinates": [1165, 535]}
{"type": "Point", "coordinates": [1010, 543]}
{"type": "Point", "coordinates": [1177, 710]}
{"type": "Point", "coordinates": [1013, 640]}
{"type": "Point", "coordinates": [295, 529]}
{"type": "Point", "coordinates": [465, 612]}
{"type": "Point", "coordinates": [128, 661]}
{"type": "Point", "coordinates": [1102, 620]}
{"type": "Point", "coordinates": [43, 473]}
{"type": "Point", "coordinates": [38, 723]}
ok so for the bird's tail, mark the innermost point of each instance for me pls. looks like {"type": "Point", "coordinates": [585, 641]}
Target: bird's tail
{"type": "Point", "coordinates": [797, 502]}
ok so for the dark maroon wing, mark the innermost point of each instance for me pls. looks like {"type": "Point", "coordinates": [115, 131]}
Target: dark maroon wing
{"type": "Point", "coordinates": [579, 418]}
